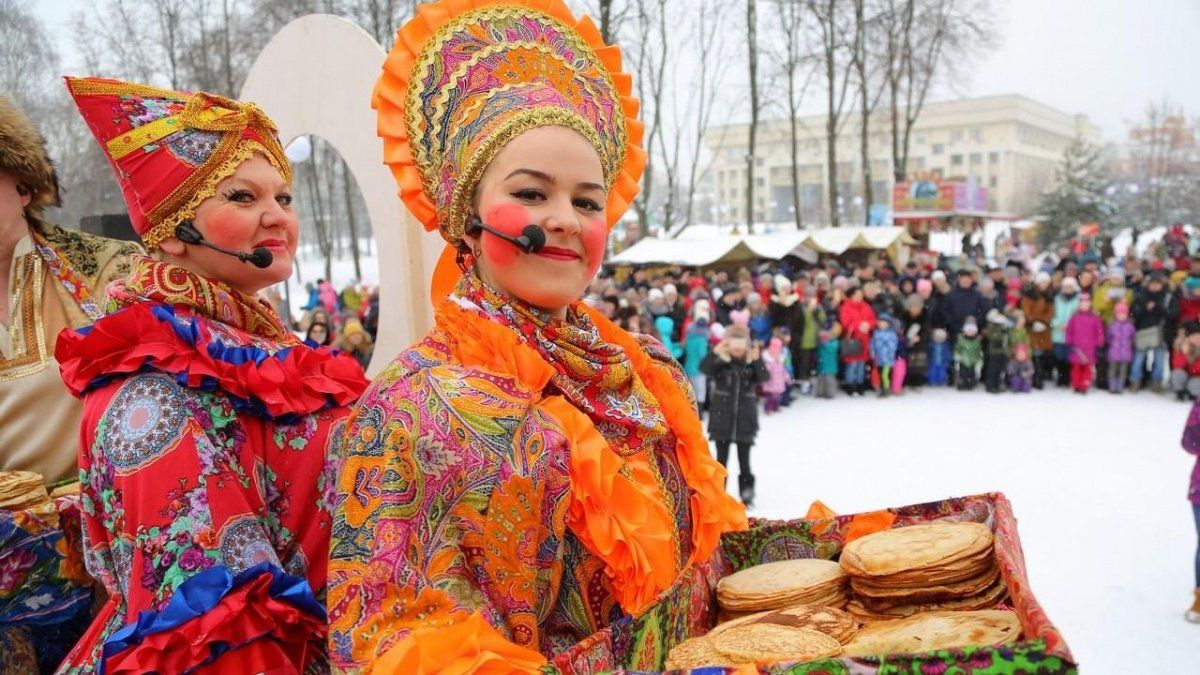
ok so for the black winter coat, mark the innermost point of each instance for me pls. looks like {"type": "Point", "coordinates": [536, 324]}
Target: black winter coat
{"type": "Point", "coordinates": [961, 303]}
{"type": "Point", "coordinates": [732, 401]}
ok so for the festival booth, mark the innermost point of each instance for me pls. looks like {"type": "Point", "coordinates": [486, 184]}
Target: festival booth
{"type": "Point", "coordinates": [929, 206]}
{"type": "Point", "coordinates": [722, 250]}
{"type": "Point", "coordinates": [691, 608]}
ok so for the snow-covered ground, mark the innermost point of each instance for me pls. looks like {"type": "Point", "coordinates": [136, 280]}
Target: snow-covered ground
{"type": "Point", "coordinates": [1098, 484]}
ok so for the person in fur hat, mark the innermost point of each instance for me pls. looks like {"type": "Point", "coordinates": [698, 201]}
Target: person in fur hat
{"type": "Point", "coordinates": [50, 279]}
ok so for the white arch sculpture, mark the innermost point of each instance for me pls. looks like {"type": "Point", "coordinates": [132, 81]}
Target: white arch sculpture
{"type": "Point", "coordinates": [315, 77]}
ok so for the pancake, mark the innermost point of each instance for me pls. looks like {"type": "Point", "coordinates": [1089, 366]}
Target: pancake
{"type": "Point", "coordinates": [936, 630]}
{"type": "Point", "coordinates": [783, 583]}
{"type": "Point", "coordinates": [986, 600]}
{"type": "Point", "coordinates": [835, 623]}
{"type": "Point", "coordinates": [879, 598]}
{"type": "Point", "coordinates": [759, 642]}
{"type": "Point", "coordinates": [697, 653]}
{"type": "Point", "coordinates": [914, 548]}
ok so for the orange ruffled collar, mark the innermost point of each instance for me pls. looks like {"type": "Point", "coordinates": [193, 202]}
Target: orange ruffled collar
{"type": "Point", "coordinates": [616, 509]}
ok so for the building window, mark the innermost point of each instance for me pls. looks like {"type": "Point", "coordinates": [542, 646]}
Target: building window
{"type": "Point", "coordinates": [976, 158]}
{"type": "Point", "coordinates": [955, 160]}
{"type": "Point", "coordinates": [920, 139]}
{"type": "Point", "coordinates": [977, 134]}
{"type": "Point", "coordinates": [938, 148]}
{"type": "Point", "coordinates": [758, 161]}
{"type": "Point", "coordinates": [993, 182]}
{"type": "Point", "coordinates": [994, 157]}
{"type": "Point", "coordinates": [759, 182]}
{"type": "Point", "coordinates": [956, 136]}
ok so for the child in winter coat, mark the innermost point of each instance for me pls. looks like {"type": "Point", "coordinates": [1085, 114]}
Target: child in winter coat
{"type": "Point", "coordinates": [735, 370]}
{"type": "Point", "coordinates": [1120, 348]}
{"type": "Point", "coordinates": [1019, 335]}
{"type": "Point", "coordinates": [996, 337]}
{"type": "Point", "coordinates": [828, 348]}
{"type": "Point", "coordinates": [939, 359]}
{"type": "Point", "coordinates": [666, 328]}
{"type": "Point", "coordinates": [1020, 370]}
{"type": "Point", "coordinates": [884, 343]}
{"type": "Point", "coordinates": [695, 348]}
{"type": "Point", "coordinates": [968, 353]}
{"type": "Point", "coordinates": [779, 379]}
{"type": "Point", "coordinates": [1085, 338]}
{"type": "Point", "coordinates": [1185, 363]}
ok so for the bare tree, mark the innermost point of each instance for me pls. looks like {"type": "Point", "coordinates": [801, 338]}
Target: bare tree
{"type": "Point", "coordinates": [1164, 165]}
{"type": "Point", "coordinates": [712, 64]}
{"type": "Point", "coordinates": [794, 61]}
{"type": "Point", "coordinates": [867, 20]}
{"type": "Point", "coordinates": [752, 63]}
{"type": "Point", "coordinates": [832, 26]}
{"type": "Point", "coordinates": [927, 40]}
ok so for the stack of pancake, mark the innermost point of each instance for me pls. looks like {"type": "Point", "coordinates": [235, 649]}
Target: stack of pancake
{"type": "Point", "coordinates": [20, 490]}
{"type": "Point", "coordinates": [797, 633]}
{"type": "Point", "coordinates": [782, 584]}
{"type": "Point", "coordinates": [937, 566]}
{"type": "Point", "coordinates": [936, 630]}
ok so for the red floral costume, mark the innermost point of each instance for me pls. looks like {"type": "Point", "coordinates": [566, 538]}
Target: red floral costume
{"type": "Point", "coordinates": [206, 490]}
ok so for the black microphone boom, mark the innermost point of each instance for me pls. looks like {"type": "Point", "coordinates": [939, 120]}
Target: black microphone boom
{"type": "Point", "coordinates": [532, 239]}
{"type": "Point", "coordinates": [260, 256]}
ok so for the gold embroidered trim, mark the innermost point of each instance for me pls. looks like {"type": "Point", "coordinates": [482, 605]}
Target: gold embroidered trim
{"type": "Point", "coordinates": [32, 355]}
{"type": "Point", "coordinates": [424, 63]}
{"type": "Point", "coordinates": [468, 180]}
{"type": "Point", "coordinates": [86, 87]}
{"type": "Point", "coordinates": [183, 201]}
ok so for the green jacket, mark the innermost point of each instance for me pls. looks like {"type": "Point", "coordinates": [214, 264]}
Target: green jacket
{"type": "Point", "coordinates": [813, 321]}
{"type": "Point", "coordinates": [968, 351]}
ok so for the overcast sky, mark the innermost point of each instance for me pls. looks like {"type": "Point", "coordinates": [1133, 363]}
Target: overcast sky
{"type": "Point", "coordinates": [1103, 58]}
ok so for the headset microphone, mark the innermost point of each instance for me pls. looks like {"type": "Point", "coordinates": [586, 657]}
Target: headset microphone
{"type": "Point", "coordinates": [532, 239]}
{"type": "Point", "coordinates": [260, 257]}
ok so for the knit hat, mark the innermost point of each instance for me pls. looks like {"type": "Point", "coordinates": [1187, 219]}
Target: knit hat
{"type": "Point", "coordinates": [669, 289]}
{"type": "Point", "coordinates": [1042, 278]}
{"type": "Point", "coordinates": [654, 294]}
{"type": "Point", "coordinates": [782, 284]}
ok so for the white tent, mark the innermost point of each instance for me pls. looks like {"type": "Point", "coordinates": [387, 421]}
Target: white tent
{"type": "Point", "coordinates": [733, 248]}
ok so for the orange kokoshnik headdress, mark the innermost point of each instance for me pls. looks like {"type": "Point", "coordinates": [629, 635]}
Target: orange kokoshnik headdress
{"type": "Point", "coordinates": [169, 149]}
{"type": "Point", "coordinates": [467, 76]}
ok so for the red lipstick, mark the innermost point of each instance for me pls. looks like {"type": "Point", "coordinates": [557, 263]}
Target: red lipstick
{"type": "Point", "coordinates": [556, 253]}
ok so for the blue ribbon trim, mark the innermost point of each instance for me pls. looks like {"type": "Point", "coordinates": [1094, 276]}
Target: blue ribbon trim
{"type": "Point", "coordinates": [199, 595]}
{"type": "Point", "coordinates": [188, 330]}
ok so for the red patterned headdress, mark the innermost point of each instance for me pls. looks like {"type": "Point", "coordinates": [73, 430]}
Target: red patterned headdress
{"type": "Point", "coordinates": [169, 149]}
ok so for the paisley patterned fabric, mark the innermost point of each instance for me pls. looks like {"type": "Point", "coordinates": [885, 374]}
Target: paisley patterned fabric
{"type": "Point", "coordinates": [183, 473]}
{"type": "Point", "coordinates": [459, 485]}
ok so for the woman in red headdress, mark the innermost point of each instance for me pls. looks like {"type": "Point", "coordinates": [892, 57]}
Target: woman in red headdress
{"type": "Point", "coordinates": [205, 422]}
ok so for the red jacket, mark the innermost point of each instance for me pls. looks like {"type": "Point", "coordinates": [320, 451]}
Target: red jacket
{"type": "Point", "coordinates": [852, 315]}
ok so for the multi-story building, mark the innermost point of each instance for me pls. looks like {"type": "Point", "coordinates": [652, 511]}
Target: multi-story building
{"type": "Point", "coordinates": [1008, 144]}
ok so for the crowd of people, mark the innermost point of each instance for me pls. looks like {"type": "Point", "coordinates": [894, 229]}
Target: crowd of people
{"type": "Point", "coordinates": [1068, 320]}
{"type": "Point", "coordinates": [347, 321]}
{"type": "Point", "coordinates": [877, 327]}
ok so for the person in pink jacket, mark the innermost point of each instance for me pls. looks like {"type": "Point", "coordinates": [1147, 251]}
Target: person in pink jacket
{"type": "Point", "coordinates": [1085, 339]}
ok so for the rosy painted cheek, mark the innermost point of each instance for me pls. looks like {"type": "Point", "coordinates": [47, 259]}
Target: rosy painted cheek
{"type": "Point", "coordinates": [510, 219]}
{"type": "Point", "coordinates": [595, 240]}
{"type": "Point", "coordinates": [227, 227]}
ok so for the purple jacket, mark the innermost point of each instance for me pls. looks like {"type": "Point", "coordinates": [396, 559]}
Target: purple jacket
{"type": "Point", "coordinates": [1085, 336]}
{"type": "Point", "coordinates": [1191, 443]}
{"type": "Point", "coordinates": [1120, 341]}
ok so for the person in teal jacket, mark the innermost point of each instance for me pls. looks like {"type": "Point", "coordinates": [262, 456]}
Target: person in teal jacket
{"type": "Point", "coordinates": [828, 351]}
{"type": "Point", "coordinates": [695, 348]}
{"type": "Point", "coordinates": [1066, 303]}
{"type": "Point", "coordinates": [666, 327]}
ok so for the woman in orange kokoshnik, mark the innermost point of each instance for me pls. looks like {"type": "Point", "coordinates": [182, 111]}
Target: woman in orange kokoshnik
{"type": "Point", "coordinates": [528, 472]}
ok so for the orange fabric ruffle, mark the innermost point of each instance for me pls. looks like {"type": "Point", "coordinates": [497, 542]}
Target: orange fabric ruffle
{"type": "Point", "coordinates": [714, 511]}
{"type": "Point", "coordinates": [471, 646]}
{"type": "Point", "coordinates": [616, 511]}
